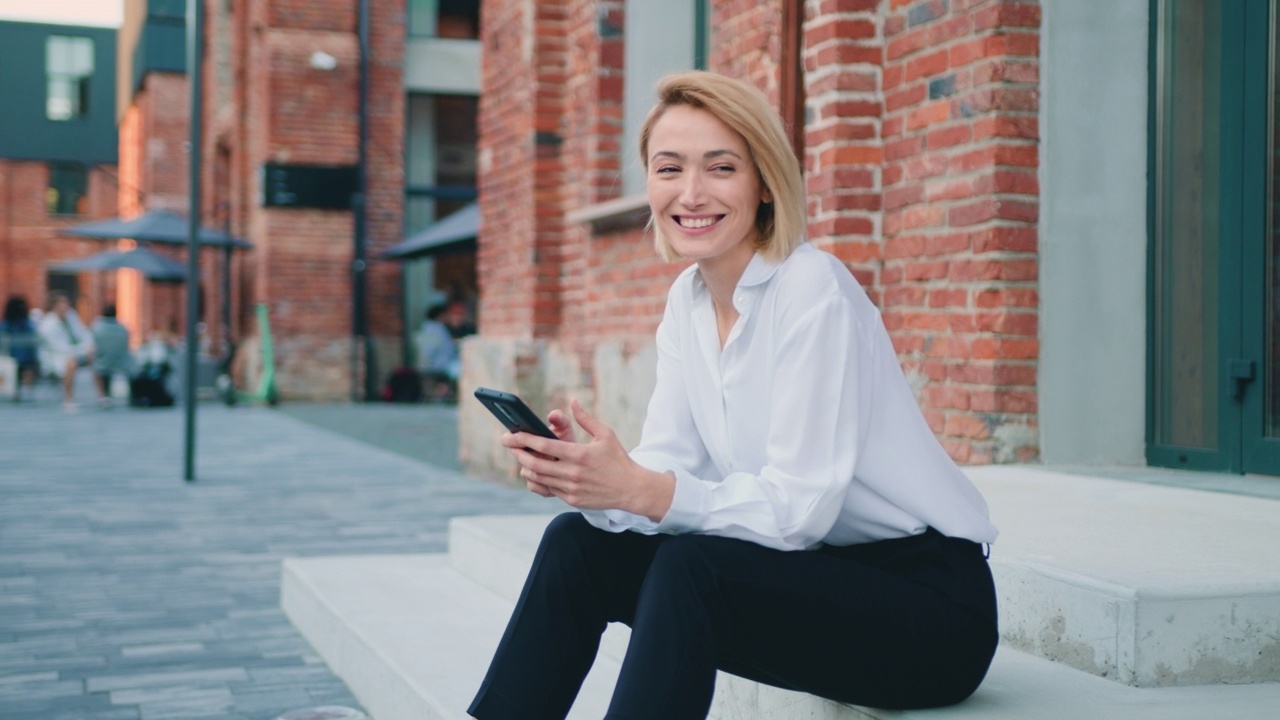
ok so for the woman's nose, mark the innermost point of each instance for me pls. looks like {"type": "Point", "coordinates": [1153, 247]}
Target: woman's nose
{"type": "Point", "coordinates": [691, 194]}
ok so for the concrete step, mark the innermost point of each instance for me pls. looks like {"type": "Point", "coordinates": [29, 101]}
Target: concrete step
{"type": "Point", "coordinates": [412, 638]}
{"type": "Point", "coordinates": [1146, 585]}
{"type": "Point", "coordinates": [1143, 584]}
{"type": "Point", "coordinates": [1130, 582]}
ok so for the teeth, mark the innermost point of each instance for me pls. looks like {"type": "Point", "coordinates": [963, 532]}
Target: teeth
{"type": "Point", "coordinates": [694, 223]}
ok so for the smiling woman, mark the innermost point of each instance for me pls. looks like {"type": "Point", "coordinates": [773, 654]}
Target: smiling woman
{"type": "Point", "coordinates": [102, 13]}
{"type": "Point", "coordinates": [788, 515]}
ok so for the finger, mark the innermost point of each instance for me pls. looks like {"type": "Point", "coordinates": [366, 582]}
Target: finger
{"type": "Point", "coordinates": [561, 425]}
{"type": "Point", "coordinates": [588, 421]}
{"type": "Point", "coordinates": [535, 462]}
{"type": "Point", "coordinates": [529, 441]}
{"type": "Point", "coordinates": [538, 488]}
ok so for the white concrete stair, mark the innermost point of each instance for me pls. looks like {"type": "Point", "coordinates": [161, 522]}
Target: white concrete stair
{"type": "Point", "coordinates": [1120, 578]}
{"type": "Point", "coordinates": [1146, 585]}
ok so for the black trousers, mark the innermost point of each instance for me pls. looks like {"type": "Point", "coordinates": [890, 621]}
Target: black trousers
{"type": "Point", "coordinates": [903, 623]}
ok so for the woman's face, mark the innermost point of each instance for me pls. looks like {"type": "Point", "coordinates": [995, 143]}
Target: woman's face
{"type": "Point", "coordinates": [703, 185]}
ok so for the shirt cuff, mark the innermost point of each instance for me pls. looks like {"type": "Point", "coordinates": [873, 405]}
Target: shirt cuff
{"type": "Point", "coordinates": [689, 501]}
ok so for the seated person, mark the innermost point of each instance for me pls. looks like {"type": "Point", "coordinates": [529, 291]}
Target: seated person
{"type": "Point", "coordinates": [18, 338]}
{"type": "Point", "coordinates": [111, 343]}
{"type": "Point", "coordinates": [788, 515]}
{"type": "Point", "coordinates": [65, 344]}
{"type": "Point", "coordinates": [438, 354]}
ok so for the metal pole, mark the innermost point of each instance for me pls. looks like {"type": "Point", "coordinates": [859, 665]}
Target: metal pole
{"type": "Point", "coordinates": [361, 388]}
{"type": "Point", "coordinates": [195, 53]}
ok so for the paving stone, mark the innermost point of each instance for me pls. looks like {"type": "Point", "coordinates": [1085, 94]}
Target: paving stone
{"type": "Point", "coordinates": [121, 582]}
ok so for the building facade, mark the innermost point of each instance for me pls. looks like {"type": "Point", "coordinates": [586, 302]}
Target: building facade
{"type": "Point", "coordinates": [331, 130]}
{"type": "Point", "coordinates": [57, 157]}
{"type": "Point", "coordinates": [1035, 193]}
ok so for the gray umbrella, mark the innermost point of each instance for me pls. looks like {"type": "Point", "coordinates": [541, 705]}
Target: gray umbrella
{"type": "Point", "coordinates": [148, 262]}
{"type": "Point", "coordinates": [157, 226]}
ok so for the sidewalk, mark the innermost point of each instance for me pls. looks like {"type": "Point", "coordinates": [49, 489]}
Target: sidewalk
{"type": "Point", "coordinates": [126, 593]}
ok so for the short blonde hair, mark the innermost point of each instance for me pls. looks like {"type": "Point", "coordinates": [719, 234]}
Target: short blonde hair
{"type": "Point", "coordinates": [780, 224]}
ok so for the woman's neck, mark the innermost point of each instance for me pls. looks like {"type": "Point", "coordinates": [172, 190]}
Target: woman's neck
{"type": "Point", "coordinates": [721, 275]}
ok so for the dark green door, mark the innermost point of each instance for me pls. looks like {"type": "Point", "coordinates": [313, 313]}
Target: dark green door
{"type": "Point", "coordinates": [1214, 337]}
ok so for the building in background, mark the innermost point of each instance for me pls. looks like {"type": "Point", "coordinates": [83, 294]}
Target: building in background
{"type": "Point", "coordinates": [153, 111]}
{"type": "Point", "coordinates": [1064, 210]}
{"type": "Point", "coordinates": [283, 122]}
{"type": "Point", "coordinates": [57, 157]}
{"type": "Point", "coordinates": [282, 153]}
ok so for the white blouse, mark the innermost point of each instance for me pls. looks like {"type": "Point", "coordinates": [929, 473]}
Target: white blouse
{"type": "Point", "coordinates": [802, 430]}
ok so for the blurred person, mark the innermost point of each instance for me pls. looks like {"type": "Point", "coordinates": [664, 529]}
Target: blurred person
{"type": "Point", "coordinates": [18, 336]}
{"type": "Point", "coordinates": [458, 320]}
{"type": "Point", "coordinates": [151, 383]}
{"type": "Point", "coordinates": [438, 355]}
{"type": "Point", "coordinates": [66, 345]}
{"type": "Point", "coordinates": [111, 352]}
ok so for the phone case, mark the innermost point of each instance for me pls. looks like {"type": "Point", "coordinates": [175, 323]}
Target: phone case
{"type": "Point", "coordinates": [513, 413]}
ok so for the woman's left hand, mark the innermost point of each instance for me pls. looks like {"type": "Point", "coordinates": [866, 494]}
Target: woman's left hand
{"type": "Point", "coordinates": [596, 475]}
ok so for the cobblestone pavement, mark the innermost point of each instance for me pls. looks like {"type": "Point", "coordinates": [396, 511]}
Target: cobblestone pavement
{"type": "Point", "coordinates": [126, 593]}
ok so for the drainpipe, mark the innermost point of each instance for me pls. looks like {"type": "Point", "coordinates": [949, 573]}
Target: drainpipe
{"type": "Point", "coordinates": [359, 264]}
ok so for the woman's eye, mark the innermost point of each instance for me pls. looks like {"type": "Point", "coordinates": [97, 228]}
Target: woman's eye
{"type": "Point", "coordinates": [666, 170]}
{"type": "Point", "coordinates": [722, 169]}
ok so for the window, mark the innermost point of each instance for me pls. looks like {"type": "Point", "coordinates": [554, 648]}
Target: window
{"type": "Point", "coordinates": [440, 157]}
{"type": "Point", "coordinates": [459, 19]}
{"type": "Point", "coordinates": [661, 37]}
{"type": "Point", "coordinates": [1213, 399]}
{"type": "Point", "coordinates": [68, 66]}
{"type": "Point", "coordinates": [68, 187]}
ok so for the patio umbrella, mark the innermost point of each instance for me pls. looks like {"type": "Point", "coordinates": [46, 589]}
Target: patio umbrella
{"type": "Point", "coordinates": [149, 263]}
{"type": "Point", "coordinates": [453, 233]}
{"type": "Point", "coordinates": [156, 226]}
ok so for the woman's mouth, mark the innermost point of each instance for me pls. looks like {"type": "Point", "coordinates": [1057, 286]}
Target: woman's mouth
{"type": "Point", "coordinates": [697, 223]}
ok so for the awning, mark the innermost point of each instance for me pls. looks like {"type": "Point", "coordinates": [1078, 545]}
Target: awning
{"type": "Point", "coordinates": [454, 233]}
{"type": "Point", "coordinates": [149, 263]}
{"type": "Point", "coordinates": [157, 226]}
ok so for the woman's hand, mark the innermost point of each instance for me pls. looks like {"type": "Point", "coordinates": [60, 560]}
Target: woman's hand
{"type": "Point", "coordinates": [562, 426]}
{"type": "Point", "coordinates": [596, 475]}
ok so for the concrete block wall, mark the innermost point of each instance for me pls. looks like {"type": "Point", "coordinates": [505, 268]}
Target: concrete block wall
{"type": "Point", "coordinates": [921, 147]}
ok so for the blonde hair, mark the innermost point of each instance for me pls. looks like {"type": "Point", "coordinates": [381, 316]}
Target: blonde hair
{"type": "Point", "coordinates": [780, 224]}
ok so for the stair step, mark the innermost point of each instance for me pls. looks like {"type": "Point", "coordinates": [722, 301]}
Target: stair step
{"type": "Point", "coordinates": [1145, 585]}
{"type": "Point", "coordinates": [409, 635]}
{"type": "Point", "coordinates": [412, 638]}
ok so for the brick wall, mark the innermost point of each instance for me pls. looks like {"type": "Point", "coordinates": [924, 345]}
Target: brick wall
{"type": "Point", "coordinates": [31, 240]}
{"type": "Point", "coordinates": [920, 159]}
{"type": "Point", "coordinates": [960, 209]}
{"type": "Point", "coordinates": [521, 173]}
{"type": "Point", "coordinates": [281, 109]}
{"type": "Point", "coordinates": [153, 133]}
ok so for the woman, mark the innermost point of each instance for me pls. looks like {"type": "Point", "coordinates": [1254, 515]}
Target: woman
{"type": "Point", "coordinates": [788, 515]}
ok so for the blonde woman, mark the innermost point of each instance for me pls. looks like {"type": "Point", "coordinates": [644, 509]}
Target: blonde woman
{"type": "Point", "coordinates": [788, 515]}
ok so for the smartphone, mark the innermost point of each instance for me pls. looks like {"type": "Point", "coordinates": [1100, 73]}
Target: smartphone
{"type": "Point", "coordinates": [513, 413]}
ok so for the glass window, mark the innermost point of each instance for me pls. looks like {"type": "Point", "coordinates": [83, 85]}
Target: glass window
{"type": "Point", "coordinates": [68, 68]}
{"type": "Point", "coordinates": [68, 188]}
{"type": "Point", "coordinates": [440, 157]}
{"type": "Point", "coordinates": [459, 19]}
{"type": "Point", "coordinates": [656, 43]}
